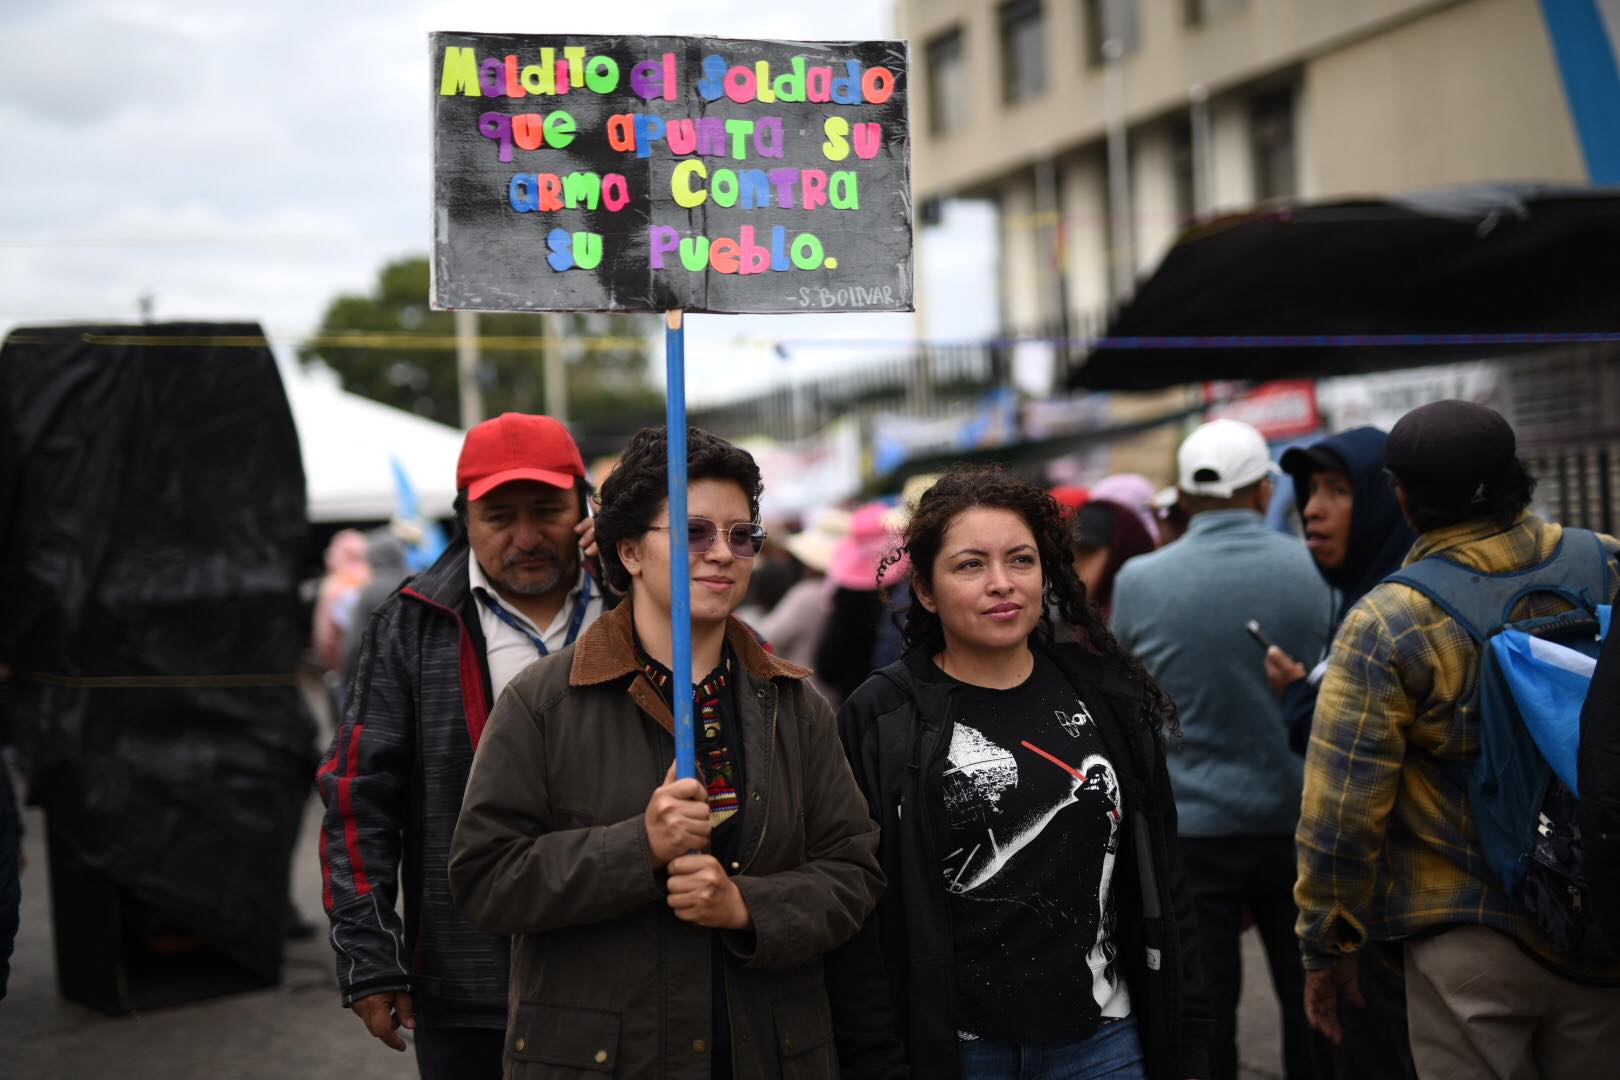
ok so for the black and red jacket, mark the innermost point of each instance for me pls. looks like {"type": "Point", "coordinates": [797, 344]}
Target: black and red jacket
{"type": "Point", "coordinates": [392, 782]}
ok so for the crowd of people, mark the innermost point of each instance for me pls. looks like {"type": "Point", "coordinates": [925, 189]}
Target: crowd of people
{"type": "Point", "coordinates": [992, 779]}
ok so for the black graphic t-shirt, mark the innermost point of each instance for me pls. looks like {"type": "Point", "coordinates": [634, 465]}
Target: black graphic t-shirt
{"type": "Point", "coordinates": [1035, 815]}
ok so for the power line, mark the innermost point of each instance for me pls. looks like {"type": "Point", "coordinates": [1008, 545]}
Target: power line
{"type": "Point", "coordinates": [377, 339]}
{"type": "Point", "coordinates": [357, 339]}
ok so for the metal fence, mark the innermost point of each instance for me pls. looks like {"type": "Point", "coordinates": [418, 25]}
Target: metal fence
{"type": "Point", "coordinates": [930, 378]}
{"type": "Point", "coordinates": [1577, 486]}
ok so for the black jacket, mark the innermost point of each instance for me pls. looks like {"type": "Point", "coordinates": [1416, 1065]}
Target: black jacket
{"type": "Point", "coordinates": [893, 987]}
{"type": "Point", "coordinates": [392, 781]}
{"type": "Point", "coordinates": [1598, 769]}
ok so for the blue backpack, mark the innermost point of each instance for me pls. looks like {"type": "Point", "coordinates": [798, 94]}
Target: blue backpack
{"type": "Point", "coordinates": [1533, 675]}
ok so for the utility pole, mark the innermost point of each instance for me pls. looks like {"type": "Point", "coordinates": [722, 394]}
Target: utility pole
{"type": "Point", "coordinates": [556, 369]}
{"type": "Point", "coordinates": [472, 400]}
{"type": "Point", "coordinates": [1123, 263]}
{"type": "Point", "coordinates": [1203, 190]}
{"type": "Point", "coordinates": [1049, 201]}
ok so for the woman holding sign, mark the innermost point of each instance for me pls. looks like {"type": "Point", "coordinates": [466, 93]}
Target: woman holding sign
{"type": "Point", "coordinates": [1037, 917]}
{"type": "Point", "coordinates": [664, 926]}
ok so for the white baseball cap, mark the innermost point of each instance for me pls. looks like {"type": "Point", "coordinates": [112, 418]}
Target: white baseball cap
{"type": "Point", "coordinates": [1221, 457]}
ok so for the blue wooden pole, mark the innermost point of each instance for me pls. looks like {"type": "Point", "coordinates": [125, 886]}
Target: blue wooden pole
{"type": "Point", "coordinates": [680, 567]}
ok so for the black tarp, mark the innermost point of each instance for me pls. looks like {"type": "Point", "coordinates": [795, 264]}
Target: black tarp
{"type": "Point", "coordinates": [1468, 262]}
{"type": "Point", "coordinates": [152, 500]}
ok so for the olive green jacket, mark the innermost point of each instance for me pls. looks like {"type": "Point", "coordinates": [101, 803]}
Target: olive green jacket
{"type": "Point", "coordinates": [552, 849]}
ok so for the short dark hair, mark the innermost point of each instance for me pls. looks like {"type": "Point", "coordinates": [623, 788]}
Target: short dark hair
{"type": "Point", "coordinates": [1200, 504]}
{"type": "Point", "coordinates": [1500, 497]}
{"type": "Point", "coordinates": [639, 485]}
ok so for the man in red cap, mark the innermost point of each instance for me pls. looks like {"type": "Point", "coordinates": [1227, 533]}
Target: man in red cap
{"type": "Point", "coordinates": [435, 658]}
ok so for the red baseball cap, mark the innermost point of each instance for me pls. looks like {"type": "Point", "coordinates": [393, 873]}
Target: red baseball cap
{"type": "Point", "coordinates": [1070, 498]}
{"type": "Point", "coordinates": [517, 446]}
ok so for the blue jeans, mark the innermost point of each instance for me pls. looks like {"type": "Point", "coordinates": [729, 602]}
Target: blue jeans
{"type": "Point", "coordinates": [1114, 1052]}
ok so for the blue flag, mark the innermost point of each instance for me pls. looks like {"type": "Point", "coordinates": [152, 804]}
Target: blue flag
{"type": "Point", "coordinates": [426, 542]}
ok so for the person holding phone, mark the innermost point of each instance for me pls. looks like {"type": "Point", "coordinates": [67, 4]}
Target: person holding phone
{"type": "Point", "coordinates": [1357, 535]}
{"type": "Point", "coordinates": [1184, 610]}
{"type": "Point", "coordinates": [435, 658]}
{"type": "Point", "coordinates": [664, 926]}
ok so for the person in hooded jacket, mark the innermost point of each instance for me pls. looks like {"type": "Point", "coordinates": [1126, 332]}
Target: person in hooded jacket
{"type": "Point", "coordinates": [1357, 535]}
{"type": "Point", "coordinates": [1038, 920]}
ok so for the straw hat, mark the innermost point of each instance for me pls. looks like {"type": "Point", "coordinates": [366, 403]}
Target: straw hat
{"type": "Point", "coordinates": [820, 539]}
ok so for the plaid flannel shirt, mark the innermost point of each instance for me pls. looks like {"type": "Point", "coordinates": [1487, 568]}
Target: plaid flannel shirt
{"type": "Point", "coordinates": [1386, 837]}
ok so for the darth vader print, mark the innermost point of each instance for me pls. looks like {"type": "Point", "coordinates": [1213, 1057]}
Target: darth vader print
{"type": "Point", "coordinates": [1035, 813]}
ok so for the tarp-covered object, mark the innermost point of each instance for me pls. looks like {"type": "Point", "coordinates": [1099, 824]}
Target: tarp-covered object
{"type": "Point", "coordinates": [1465, 262]}
{"type": "Point", "coordinates": [151, 533]}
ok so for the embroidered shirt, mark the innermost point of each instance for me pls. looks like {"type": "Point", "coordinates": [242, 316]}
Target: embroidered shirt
{"type": "Point", "coordinates": [719, 743]}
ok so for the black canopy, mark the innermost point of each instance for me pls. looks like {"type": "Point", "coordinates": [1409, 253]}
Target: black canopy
{"type": "Point", "coordinates": [1472, 264]}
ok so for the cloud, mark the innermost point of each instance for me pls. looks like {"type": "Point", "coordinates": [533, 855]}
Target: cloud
{"type": "Point", "coordinates": [257, 160]}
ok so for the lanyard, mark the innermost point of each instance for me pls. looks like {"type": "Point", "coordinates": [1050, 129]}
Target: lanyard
{"type": "Point", "coordinates": [574, 625]}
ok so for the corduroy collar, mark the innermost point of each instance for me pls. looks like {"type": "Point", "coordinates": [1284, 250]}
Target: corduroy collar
{"type": "Point", "coordinates": [607, 651]}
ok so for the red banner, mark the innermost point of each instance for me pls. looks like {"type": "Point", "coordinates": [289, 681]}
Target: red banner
{"type": "Point", "coordinates": [1285, 409]}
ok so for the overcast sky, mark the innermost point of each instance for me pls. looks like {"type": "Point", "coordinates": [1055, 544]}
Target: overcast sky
{"type": "Point", "coordinates": [239, 160]}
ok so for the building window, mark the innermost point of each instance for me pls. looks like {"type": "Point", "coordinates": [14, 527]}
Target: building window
{"type": "Point", "coordinates": [1023, 49]}
{"type": "Point", "coordinates": [1272, 137]}
{"type": "Point", "coordinates": [1105, 19]}
{"type": "Point", "coordinates": [1199, 12]}
{"type": "Point", "coordinates": [947, 83]}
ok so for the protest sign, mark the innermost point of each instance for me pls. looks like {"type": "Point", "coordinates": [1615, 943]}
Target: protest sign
{"type": "Point", "coordinates": [577, 173]}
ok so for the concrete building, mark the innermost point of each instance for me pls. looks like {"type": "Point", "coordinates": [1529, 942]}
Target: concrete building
{"type": "Point", "coordinates": [1210, 105]}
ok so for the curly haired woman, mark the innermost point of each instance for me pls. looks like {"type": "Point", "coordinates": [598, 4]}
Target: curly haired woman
{"type": "Point", "coordinates": [1036, 921]}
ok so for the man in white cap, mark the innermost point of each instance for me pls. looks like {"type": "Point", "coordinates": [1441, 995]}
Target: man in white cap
{"type": "Point", "coordinates": [1185, 611]}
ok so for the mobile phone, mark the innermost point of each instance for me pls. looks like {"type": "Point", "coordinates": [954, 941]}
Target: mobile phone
{"type": "Point", "coordinates": [593, 563]}
{"type": "Point", "coordinates": [1253, 627]}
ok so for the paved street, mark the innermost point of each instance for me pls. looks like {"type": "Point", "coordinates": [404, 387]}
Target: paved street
{"type": "Point", "coordinates": [296, 1030]}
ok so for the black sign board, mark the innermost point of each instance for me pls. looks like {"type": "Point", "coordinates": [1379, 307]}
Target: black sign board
{"type": "Point", "coordinates": [645, 174]}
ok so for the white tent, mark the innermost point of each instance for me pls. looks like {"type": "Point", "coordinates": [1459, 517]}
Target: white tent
{"type": "Point", "coordinates": [348, 442]}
